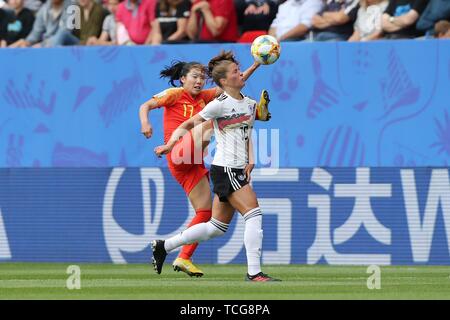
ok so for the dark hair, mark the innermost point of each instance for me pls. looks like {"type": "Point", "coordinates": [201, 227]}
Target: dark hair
{"type": "Point", "coordinates": [441, 27]}
{"type": "Point", "coordinates": [218, 66]}
{"type": "Point", "coordinates": [179, 69]}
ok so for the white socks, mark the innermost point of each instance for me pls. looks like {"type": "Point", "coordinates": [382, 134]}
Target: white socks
{"type": "Point", "coordinates": [253, 236]}
{"type": "Point", "coordinates": [196, 233]}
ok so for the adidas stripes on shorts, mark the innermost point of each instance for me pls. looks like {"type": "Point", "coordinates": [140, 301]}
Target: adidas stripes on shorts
{"type": "Point", "coordinates": [227, 180]}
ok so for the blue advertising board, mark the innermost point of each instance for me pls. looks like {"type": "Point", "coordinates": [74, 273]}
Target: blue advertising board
{"type": "Point", "coordinates": [384, 103]}
{"type": "Point", "coordinates": [385, 216]}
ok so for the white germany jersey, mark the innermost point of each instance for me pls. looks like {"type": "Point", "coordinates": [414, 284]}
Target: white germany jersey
{"type": "Point", "coordinates": [233, 119]}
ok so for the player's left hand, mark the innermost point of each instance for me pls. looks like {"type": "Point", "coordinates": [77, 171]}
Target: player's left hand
{"type": "Point", "coordinates": [164, 149]}
{"type": "Point", "coordinates": [248, 170]}
{"type": "Point", "coordinates": [147, 130]}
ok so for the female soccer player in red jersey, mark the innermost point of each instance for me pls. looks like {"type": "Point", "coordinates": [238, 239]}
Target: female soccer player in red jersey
{"type": "Point", "coordinates": [182, 103]}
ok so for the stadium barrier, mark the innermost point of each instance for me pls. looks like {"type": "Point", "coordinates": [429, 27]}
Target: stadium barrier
{"type": "Point", "coordinates": [333, 104]}
{"type": "Point", "coordinates": [383, 216]}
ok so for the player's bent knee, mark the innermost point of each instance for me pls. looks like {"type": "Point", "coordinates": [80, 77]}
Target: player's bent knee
{"type": "Point", "coordinates": [216, 228]}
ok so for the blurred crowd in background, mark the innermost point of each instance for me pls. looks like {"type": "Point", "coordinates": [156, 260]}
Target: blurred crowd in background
{"type": "Point", "coordinates": [49, 23]}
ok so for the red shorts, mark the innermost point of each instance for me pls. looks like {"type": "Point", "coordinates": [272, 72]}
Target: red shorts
{"type": "Point", "coordinates": [186, 165]}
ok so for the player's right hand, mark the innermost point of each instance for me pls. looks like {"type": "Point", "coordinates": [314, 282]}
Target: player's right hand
{"type": "Point", "coordinates": [164, 149]}
{"type": "Point", "coordinates": [147, 130]}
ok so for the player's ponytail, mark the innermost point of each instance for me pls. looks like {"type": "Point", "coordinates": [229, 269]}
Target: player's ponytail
{"type": "Point", "coordinates": [218, 66]}
{"type": "Point", "coordinates": [173, 72]}
{"type": "Point", "coordinates": [179, 69]}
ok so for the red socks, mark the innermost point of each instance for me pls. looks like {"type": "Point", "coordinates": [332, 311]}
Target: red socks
{"type": "Point", "coordinates": [200, 216]}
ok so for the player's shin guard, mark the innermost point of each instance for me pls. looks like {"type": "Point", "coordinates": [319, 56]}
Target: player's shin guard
{"type": "Point", "coordinates": [253, 236]}
{"type": "Point", "coordinates": [201, 216]}
{"type": "Point", "coordinates": [199, 232]}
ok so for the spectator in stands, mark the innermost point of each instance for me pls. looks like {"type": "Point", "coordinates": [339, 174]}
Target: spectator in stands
{"type": "Point", "coordinates": [255, 14]}
{"type": "Point", "coordinates": [108, 35]}
{"type": "Point", "coordinates": [92, 16]}
{"type": "Point", "coordinates": [335, 23]}
{"type": "Point", "coordinates": [435, 11]}
{"type": "Point", "coordinates": [293, 19]}
{"type": "Point", "coordinates": [368, 22]}
{"type": "Point", "coordinates": [50, 17]}
{"type": "Point", "coordinates": [171, 21]}
{"type": "Point", "coordinates": [18, 22]}
{"type": "Point", "coordinates": [442, 29]}
{"type": "Point", "coordinates": [213, 21]}
{"type": "Point", "coordinates": [400, 17]}
{"type": "Point", "coordinates": [134, 19]}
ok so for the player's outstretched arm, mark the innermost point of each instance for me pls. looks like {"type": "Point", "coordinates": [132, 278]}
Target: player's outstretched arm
{"type": "Point", "coordinates": [247, 73]}
{"type": "Point", "coordinates": [144, 112]}
{"type": "Point", "coordinates": [179, 132]}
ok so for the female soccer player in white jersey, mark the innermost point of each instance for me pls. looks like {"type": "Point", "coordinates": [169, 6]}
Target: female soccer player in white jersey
{"type": "Point", "coordinates": [233, 115]}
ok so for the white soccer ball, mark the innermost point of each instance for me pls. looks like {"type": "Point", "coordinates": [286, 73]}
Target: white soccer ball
{"type": "Point", "coordinates": [265, 49]}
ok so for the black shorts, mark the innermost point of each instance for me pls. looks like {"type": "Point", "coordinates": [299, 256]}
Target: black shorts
{"type": "Point", "coordinates": [227, 180]}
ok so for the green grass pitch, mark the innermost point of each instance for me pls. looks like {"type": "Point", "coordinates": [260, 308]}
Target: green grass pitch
{"type": "Point", "coordinates": [137, 281]}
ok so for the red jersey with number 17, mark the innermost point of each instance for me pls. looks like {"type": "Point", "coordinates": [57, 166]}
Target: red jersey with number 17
{"type": "Point", "coordinates": [180, 106]}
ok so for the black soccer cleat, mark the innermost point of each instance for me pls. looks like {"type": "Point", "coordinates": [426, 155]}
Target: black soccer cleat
{"type": "Point", "coordinates": [159, 255]}
{"type": "Point", "coordinates": [260, 277]}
